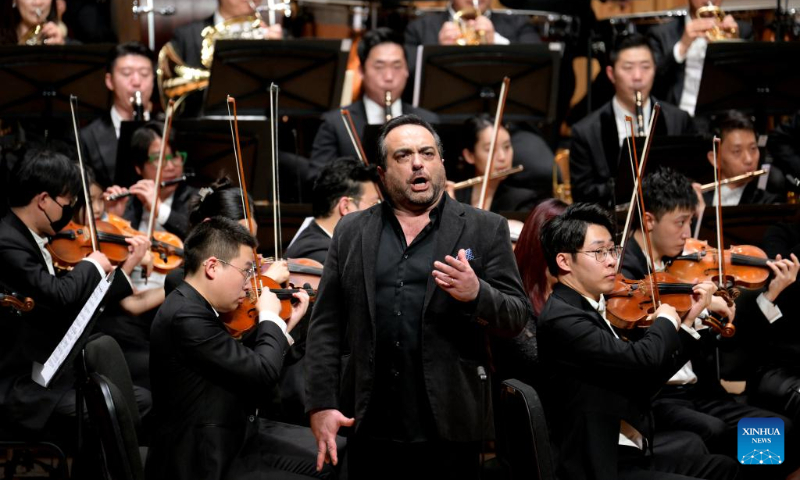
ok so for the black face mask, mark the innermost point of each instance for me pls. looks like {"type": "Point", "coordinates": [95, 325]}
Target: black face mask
{"type": "Point", "coordinates": [66, 215]}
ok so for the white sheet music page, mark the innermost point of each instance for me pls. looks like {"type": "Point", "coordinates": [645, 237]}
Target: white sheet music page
{"type": "Point", "coordinates": [43, 374]}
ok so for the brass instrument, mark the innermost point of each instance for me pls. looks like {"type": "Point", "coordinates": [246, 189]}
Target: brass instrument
{"type": "Point", "coordinates": [34, 36]}
{"type": "Point", "coordinates": [639, 114]}
{"type": "Point", "coordinates": [469, 36]}
{"type": "Point", "coordinates": [388, 105]}
{"type": "Point", "coordinates": [562, 191]}
{"type": "Point", "coordinates": [734, 180]}
{"type": "Point", "coordinates": [476, 180]}
{"type": "Point", "coordinates": [176, 80]}
{"type": "Point", "coordinates": [717, 33]}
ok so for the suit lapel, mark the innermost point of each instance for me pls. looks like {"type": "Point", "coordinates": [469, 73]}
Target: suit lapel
{"type": "Point", "coordinates": [450, 227]}
{"type": "Point", "coordinates": [370, 238]}
{"type": "Point", "coordinates": [20, 227]}
{"type": "Point", "coordinates": [609, 139]}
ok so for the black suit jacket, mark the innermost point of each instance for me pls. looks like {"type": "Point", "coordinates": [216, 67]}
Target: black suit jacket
{"type": "Point", "coordinates": [34, 335]}
{"type": "Point", "coordinates": [99, 142]}
{"type": "Point", "coordinates": [453, 333]}
{"type": "Point", "coordinates": [332, 140]}
{"type": "Point", "coordinates": [178, 221]}
{"type": "Point", "coordinates": [752, 195]}
{"type": "Point", "coordinates": [205, 387]}
{"type": "Point", "coordinates": [593, 380]}
{"type": "Point", "coordinates": [669, 73]}
{"type": "Point", "coordinates": [188, 41]}
{"type": "Point", "coordinates": [425, 31]}
{"type": "Point", "coordinates": [784, 145]}
{"type": "Point", "coordinates": [594, 149]}
{"type": "Point", "coordinates": [312, 243]}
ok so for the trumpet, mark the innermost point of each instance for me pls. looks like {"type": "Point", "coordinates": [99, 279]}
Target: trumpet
{"type": "Point", "coordinates": [717, 33]}
{"type": "Point", "coordinates": [388, 105]}
{"type": "Point", "coordinates": [34, 36]}
{"type": "Point", "coordinates": [469, 36]}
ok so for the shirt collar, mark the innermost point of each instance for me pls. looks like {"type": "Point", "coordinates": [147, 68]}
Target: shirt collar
{"type": "Point", "coordinates": [435, 215]}
{"type": "Point", "coordinates": [41, 241]}
{"type": "Point", "coordinates": [376, 113]}
{"type": "Point", "coordinates": [600, 305]}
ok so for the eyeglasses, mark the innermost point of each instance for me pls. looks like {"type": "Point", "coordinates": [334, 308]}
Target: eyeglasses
{"type": "Point", "coordinates": [177, 159]}
{"type": "Point", "coordinates": [601, 253]}
{"type": "Point", "coordinates": [247, 273]}
{"type": "Point", "coordinates": [71, 204]}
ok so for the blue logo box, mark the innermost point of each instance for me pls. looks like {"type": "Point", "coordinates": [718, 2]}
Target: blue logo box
{"type": "Point", "coordinates": [761, 441]}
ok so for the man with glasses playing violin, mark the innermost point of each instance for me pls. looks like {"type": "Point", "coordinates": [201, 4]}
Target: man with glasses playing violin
{"type": "Point", "coordinates": [693, 398]}
{"type": "Point", "coordinates": [596, 387]}
{"type": "Point", "coordinates": [207, 385]}
{"type": "Point", "coordinates": [43, 193]}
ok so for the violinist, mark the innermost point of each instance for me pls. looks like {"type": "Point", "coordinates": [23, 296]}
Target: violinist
{"type": "Point", "coordinates": [384, 68]}
{"type": "Point", "coordinates": [207, 385]}
{"type": "Point", "coordinates": [43, 193]}
{"type": "Point", "coordinates": [693, 398]}
{"type": "Point", "coordinates": [500, 196]}
{"type": "Point", "coordinates": [738, 154]}
{"type": "Point", "coordinates": [130, 69]}
{"type": "Point", "coordinates": [596, 387]}
{"type": "Point", "coordinates": [596, 139]}
{"type": "Point", "coordinates": [344, 186]}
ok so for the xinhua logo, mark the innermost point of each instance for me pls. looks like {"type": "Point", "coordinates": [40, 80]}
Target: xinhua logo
{"type": "Point", "coordinates": [761, 441]}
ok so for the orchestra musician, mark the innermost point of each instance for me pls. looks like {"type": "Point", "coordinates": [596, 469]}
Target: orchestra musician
{"type": "Point", "coordinates": [596, 140]}
{"type": "Point", "coordinates": [500, 196]}
{"type": "Point", "coordinates": [384, 69]}
{"type": "Point", "coordinates": [344, 186]}
{"type": "Point", "coordinates": [738, 154]}
{"type": "Point", "coordinates": [693, 398]}
{"type": "Point", "coordinates": [31, 22]}
{"type": "Point", "coordinates": [679, 47]}
{"type": "Point", "coordinates": [207, 385]}
{"type": "Point", "coordinates": [130, 69]}
{"type": "Point", "coordinates": [44, 191]}
{"type": "Point", "coordinates": [596, 387]}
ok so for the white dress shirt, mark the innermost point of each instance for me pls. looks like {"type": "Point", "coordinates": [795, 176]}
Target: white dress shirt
{"type": "Point", "coordinates": [376, 114]}
{"type": "Point", "coordinates": [693, 71]}
{"type": "Point", "coordinates": [619, 117]}
{"type": "Point", "coordinates": [116, 119]}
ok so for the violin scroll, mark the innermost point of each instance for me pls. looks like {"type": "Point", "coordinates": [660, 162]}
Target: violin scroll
{"type": "Point", "coordinates": [20, 304]}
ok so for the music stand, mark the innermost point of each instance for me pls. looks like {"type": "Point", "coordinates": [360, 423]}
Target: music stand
{"type": "Point", "coordinates": [682, 153]}
{"type": "Point", "coordinates": [758, 77]}
{"type": "Point", "coordinates": [38, 80]}
{"type": "Point", "coordinates": [460, 82]}
{"type": "Point", "coordinates": [310, 74]}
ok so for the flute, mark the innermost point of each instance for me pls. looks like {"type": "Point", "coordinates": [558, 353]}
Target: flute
{"type": "Point", "coordinates": [165, 183]}
{"type": "Point", "coordinates": [479, 179]}
{"type": "Point", "coordinates": [737, 179]}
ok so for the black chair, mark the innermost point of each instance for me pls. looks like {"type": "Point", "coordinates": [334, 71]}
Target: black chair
{"type": "Point", "coordinates": [112, 410]}
{"type": "Point", "coordinates": [523, 444]}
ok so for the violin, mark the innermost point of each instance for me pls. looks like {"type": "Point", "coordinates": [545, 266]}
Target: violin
{"type": "Point", "coordinates": [745, 266]}
{"type": "Point", "coordinates": [167, 247]}
{"type": "Point", "coordinates": [302, 271]}
{"type": "Point", "coordinates": [75, 242]}
{"type": "Point", "coordinates": [631, 303]}
{"type": "Point", "coordinates": [20, 304]}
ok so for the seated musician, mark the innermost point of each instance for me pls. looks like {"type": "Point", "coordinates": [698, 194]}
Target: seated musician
{"type": "Point", "coordinates": [440, 28]}
{"type": "Point", "coordinates": [187, 40]}
{"type": "Point", "coordinates": [596, 140]}
{"type": "Point", "coordinates": [384, 68]}
{"type": "Point", "coordinates": [344, 186]}
{"type": "Point", "coordinates": [43, 193]}
{"type": "Point", "coordinates": [784, 146]}
{"type": "Point", "coordinates": [500, 196]}
{"type": "Point", "coordinates": [738, 155]}
{"type": "Point", "coordinates": [20, 19]}
{"type": "Point", "coordinates": [596, 387]}
{"type": "Point", "coordinates": [172, 214]}
{"type": "Point", "coordinates": [130, 69]}
{"type": "Point", "coordinates": [693, 398]}
{"type": "Point", "coordinates": [206, 384]}
{"type": "Point", "coordinates": [679, 47]}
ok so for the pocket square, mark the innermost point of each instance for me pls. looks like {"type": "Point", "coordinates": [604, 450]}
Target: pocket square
{"type": "Point", "coordinates": [469, 254]}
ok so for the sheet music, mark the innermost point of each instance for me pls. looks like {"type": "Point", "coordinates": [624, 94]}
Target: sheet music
{"type": "Point", "coordinates": [43, 374]}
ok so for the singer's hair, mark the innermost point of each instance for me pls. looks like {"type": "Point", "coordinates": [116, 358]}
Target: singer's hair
{"type": "Point", "coordinates": [375, 37]}
{"type": "Point", "coordinates": [409, 119]}
{"type": "Point", "coordinates": [43, 170]}
{"type": "Point", "coordinates": [218, 237]}
{"type": "Point", "coordinates": [342, 177]}
{"type": "Point", "coordinates": [567, 232]}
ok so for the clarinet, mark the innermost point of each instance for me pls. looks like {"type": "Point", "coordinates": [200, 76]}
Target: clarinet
{"type": "Point", "coordinates": [388, 105]}
{"type": "Point", "coordinates": [639, 115]}
{"type": "Point", "coordinates": [138, 107]}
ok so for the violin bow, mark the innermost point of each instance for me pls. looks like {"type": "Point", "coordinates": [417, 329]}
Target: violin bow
{"type": "Point", "coordinates": [237, 153]}
{"type": "Point", "coordinates": [276, 196]}
{"type": "Point", "coordinates": [498, 119]}
{"type": "Point", "coordinates": [73, 105]}
{"type": "Point", "coordinates": [350, 127]}
{"type": "Point", "coordinates": [151, 224]}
